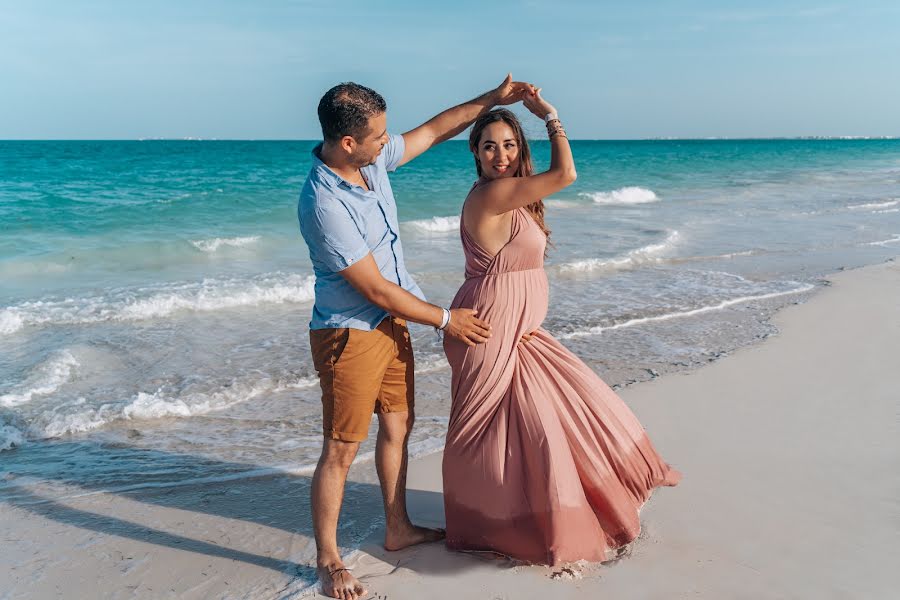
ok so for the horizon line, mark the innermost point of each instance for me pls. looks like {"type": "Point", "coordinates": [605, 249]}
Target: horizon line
{"type": "Point", "coordinates": [624, 139]}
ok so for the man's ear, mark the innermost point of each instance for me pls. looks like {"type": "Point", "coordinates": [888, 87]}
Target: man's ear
{"type": "Point", "coordinates": [348, 144]}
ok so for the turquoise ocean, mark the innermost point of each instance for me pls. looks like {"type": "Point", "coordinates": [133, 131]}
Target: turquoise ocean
{"type": "Point", "coordinates": [155, 295]}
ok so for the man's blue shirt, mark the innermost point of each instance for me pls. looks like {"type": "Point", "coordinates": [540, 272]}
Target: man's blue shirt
{"type": "Point", "coordinates": [342, 223]}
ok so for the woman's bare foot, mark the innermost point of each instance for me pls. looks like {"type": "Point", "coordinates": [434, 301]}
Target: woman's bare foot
{"type": "Point", "coordinates": [410, 536]}
{"type": "Point", "coordinates": [337, 582]}
{"type": "Point", "coordinates": [672, 478]}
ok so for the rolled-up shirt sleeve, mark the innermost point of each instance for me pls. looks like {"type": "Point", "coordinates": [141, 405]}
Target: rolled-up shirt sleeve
{"type": "Point", "coordinates": [334, 240]}
{"type": "Point", "coordinates": [393, 152]}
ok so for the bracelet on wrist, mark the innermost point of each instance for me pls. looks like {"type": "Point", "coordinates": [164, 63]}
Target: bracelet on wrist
{"type": "Point", "coordinates": [445, 320]}
{"type": "Point", "coordinates": [555, 128]}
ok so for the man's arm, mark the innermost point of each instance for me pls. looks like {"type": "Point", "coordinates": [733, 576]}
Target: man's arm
{"type": "Point", "coordinates": [365, 277]}
{"type": "Point", "coordinates": [454, 120]}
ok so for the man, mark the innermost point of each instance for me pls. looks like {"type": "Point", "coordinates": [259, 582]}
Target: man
{"type": "Point", "coordinates": [364, 296]}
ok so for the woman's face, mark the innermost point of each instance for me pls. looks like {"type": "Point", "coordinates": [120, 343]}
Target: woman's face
{"type": "Point", "coordinates": [498, 151]}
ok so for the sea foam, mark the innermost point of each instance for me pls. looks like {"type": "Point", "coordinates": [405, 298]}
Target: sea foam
{"type": "Point", "coordinates": [554, 203]}
{"type": "Point", "coordinates": [78, 417]}
{"type": "Point", "coordinates": [216, 243]}
{"type": "Point", "coordinates": [130, 304]}
{"type": "Point", "coordinates": [10, 436]}
{"type": "Point", "coordinates": [623, 196]}
{"type": "Point", "coordinates": [45, 378]}
{"type": "Point", "coordinates": [434, 224]}
{"type": "Point", "coordinates": [10, 322]}
{"type": "Point", "coordinates": [597, 330]}
{"type": "Point", "coordinates": [874, 205]}
{"type": "Point", "coordinates": [159, 404]}
{"type": "Point", "coordinates": [648, 254]}
{"type": "Point", "coordinates": [431, 363]}
{"type": "Point", "coordinates": [892, 240]}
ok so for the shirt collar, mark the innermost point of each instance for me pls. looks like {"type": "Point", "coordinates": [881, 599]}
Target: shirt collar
{"type": "Point", "coordinates": [325, 172]}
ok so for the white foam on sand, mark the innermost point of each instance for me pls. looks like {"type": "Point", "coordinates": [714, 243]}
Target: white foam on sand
{"type": "Point", "coordinates": [872, 205]}
{"type": "Point", "coordinates": [434, 224]}
{"type": "Point", "coordinates": [79, 416]}
{"type": "Point", "coordinates": [892, 240]}
{"type": "Point", "coordinates": [648, 254]}
{"type": "Point", "coordinates": [597, 330]}
{"type": "Point", "coordinates": [434, 363]}
{"type": "Point", "coordinates": [216, 243]}
{"type": "Point", "coordinates": [736, 254]}
{"type": "Point", "coordinates": [623, 196]}
{"type": "Point", "coordinates": [63, 420]}
{"type": "Point", "coordinates": [45, 378]}
{"type": "Point", "coordinates": [161, 301]}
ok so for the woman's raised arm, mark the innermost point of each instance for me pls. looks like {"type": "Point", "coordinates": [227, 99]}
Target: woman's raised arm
{"type": "Point", "coordinates": [509, 193]}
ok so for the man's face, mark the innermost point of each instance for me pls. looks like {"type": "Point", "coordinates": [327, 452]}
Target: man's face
{"type": "Point", "coordinates": [368, 148]}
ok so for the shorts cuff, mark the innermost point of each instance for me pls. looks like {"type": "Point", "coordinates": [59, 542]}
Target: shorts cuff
{"type": "Point", "coordinates": [345, 436]}
{"type": "Point", "coordinates": [393, 409]}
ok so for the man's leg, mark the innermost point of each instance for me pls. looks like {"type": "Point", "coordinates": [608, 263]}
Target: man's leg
{"type": "Point", "coordinates": [347, 375]}
{"type": "Point", "coordinates": [327, 497]}
{"type": "Point", "coordinates": [395, 421]}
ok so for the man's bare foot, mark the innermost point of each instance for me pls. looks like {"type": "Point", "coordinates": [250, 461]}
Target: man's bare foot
{"type": "Point", "coordinates": [410, 536]}
{"type": "Point", "coordinates": [337, 582]}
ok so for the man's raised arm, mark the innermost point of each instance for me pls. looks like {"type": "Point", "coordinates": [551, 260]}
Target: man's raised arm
{"type": "Point", "coordinates": [454, 120]}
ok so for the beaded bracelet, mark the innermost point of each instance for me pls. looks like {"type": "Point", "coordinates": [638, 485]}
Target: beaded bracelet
{"type": "Point", "coordinates": [555, 128]}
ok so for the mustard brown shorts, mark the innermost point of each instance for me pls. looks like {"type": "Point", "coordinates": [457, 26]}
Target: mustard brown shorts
{"type": "Point", "coordinates": [361, 373]}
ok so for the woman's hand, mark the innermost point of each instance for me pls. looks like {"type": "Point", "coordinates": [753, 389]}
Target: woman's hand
{"type": "Point", "coordinates": [537, 105]}
{"type": "Point", "coordinates": [526, 337]}
{"type": "Point", "coordinates": [510, 92]}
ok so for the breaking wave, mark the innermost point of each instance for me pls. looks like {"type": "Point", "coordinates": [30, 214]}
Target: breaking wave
{"type": "Point", "coordinates": [434, 224]}
{"type": "Point", "coordinates": [216, 243]}
{"type": "Point", "coordinates": [649, 254]}
{"type": "Point", "coordinates": [623, 196]}
{"type": "Point", "coordinates": [44, 379]}
{"type": "Point", "coordinates": [161, 301]}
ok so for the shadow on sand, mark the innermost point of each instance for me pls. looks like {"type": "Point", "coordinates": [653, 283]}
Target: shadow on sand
{"type": "Point", "coordinates": [43, 478]}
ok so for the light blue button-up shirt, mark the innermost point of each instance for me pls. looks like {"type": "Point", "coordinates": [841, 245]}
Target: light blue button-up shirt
{"type": "Point", "coordinates": [342, 223]}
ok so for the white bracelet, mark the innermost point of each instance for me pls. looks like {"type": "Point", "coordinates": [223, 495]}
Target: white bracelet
{"type": "Point", "coordinates": [446, 320]}
{"type": "Point", "coordinates": [550, 117]}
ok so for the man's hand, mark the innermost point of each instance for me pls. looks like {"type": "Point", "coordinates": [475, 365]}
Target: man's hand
{"type": "Point", "coordinates": [454, 120]}
{"type": "Point", "coordinates": [510, 92]}
{"type": "Point", "coordinates": [465, 327]}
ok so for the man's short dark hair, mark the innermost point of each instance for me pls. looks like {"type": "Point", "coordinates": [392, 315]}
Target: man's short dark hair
{"type": "Point", "coordinates": [346, 108]}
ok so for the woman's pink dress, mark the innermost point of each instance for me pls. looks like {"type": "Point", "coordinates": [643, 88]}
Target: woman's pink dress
{"type": "Point", "coordinates": [543, 461]}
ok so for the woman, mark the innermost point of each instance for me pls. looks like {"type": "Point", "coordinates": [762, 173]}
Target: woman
{"type": "Point", "coordinates": [543, 462]}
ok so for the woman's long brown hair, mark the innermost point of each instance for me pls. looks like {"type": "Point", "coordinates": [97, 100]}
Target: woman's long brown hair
{"type": "Point", "coordinates": [526, 168]}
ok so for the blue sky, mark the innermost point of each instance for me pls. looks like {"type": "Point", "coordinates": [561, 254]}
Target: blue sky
{"type": "Point", "coordinates": [615, 70]}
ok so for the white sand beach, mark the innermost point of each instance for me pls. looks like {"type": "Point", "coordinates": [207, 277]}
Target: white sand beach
{"type": "Point", "coordinates": [789, 449]}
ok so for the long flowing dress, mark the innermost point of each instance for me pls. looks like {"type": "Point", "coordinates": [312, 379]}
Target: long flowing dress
{"type": "Point", "coordinates": [543, 461]}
